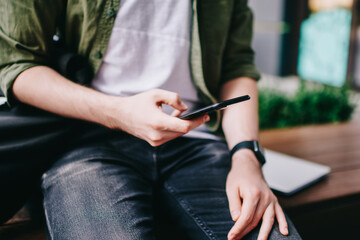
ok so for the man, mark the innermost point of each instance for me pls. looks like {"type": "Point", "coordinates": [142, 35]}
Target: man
{"type": "Point", "coordinates": [152, 61]}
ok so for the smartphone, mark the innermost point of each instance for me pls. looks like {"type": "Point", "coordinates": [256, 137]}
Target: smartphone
{"type": "Point", "coordinates": [213, 107]}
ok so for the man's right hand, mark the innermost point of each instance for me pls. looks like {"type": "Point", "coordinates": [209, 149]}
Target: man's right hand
{"type": "Point", "coordinates": [141, 115]}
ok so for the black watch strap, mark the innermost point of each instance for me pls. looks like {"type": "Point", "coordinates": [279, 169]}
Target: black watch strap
{"type": "Point", "coordinates": [252, 145]}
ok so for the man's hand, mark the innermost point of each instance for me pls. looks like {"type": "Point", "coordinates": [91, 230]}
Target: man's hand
{"type": "Point", "coordinates": [141, 115]}
{"type": "Point", "coordinates": [250, 198]}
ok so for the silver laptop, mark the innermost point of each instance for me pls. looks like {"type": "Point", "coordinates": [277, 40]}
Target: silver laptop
{"type": "Point", "coordinates": [287, 174]}
{"type": "Point", "coordinates": [2, 100]}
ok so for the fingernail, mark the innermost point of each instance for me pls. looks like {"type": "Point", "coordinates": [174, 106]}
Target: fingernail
{"type": "Point", "coordinates": [235, 215]}
{"type": "Point", "coordinates": [286, 231]}
{"type": "Point", "coordinates": [183, 105]}
{"type": "Point", "coordinates": [231, 236]}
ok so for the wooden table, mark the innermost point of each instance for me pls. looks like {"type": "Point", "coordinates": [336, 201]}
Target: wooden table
{"type": "Point", "coordinates": [332, 206]}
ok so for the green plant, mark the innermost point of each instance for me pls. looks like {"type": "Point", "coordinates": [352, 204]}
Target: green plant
{"type": "Point", "coordinates": [309, 105]}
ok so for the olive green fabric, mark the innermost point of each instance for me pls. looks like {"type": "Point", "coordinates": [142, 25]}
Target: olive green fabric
{"type": "Point", "coordinates": [221, 41]}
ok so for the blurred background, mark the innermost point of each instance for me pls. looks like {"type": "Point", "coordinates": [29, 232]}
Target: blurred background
{"type": "Point", "coordinates": [315, 39]}
{"type": "Point", "coordinates": [307, 52]}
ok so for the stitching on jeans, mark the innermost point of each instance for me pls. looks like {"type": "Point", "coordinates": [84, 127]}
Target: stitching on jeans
{"type": "Point", "coordinates": [49, 230]}
{"type": "Point", "coordinates": [201, 223]}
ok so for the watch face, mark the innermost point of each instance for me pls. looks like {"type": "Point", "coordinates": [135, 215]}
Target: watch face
{"type": "Point", "coordinates": [259, 152]}
{"type": "Point", "coordinates": [257, 147]}
{"type": "Point", "coordinates": [260, 157]}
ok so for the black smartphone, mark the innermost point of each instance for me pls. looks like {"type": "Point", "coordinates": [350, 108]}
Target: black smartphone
{"type": "Point", "coordinates": [213, 107]}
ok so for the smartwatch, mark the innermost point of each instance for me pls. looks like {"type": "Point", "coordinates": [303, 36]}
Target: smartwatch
{"type": "Point", "coordinates": [253, 146]}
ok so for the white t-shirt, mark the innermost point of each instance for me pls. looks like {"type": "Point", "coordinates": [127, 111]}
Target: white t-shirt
{"type": "Point", "coordinates": [149, 48]}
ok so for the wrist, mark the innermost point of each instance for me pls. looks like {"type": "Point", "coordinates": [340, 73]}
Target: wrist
{"type": "Point", "coordinates": [245, 157]}
{"type": "Point", "coordinates": [254, 146]}
{"type": "Point", "coordinates": [106, 110]}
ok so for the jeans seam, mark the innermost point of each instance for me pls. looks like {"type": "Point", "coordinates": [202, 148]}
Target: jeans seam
{"type": "Point", "coordinates": [200, 222]}
{"type": "Point", "coordinates": [49, 230]}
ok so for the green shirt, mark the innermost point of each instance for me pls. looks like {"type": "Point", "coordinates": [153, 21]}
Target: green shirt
{"type": "Point", "coordinates": [220, 51]}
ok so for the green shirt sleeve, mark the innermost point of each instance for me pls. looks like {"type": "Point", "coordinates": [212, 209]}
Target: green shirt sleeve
{"type": "Point", "coordinates": [238, 58]}
{"type": "Point", "coordinates": [26, 31]}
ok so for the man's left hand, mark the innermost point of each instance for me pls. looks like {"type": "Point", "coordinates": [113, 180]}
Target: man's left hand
{"type": "Point", "coordinates": [250, 198]}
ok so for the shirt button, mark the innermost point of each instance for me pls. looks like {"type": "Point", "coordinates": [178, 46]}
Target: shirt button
{"type": "Point", "coordinates": [110, 13]}
{"type": "Point", "coordinates": [98, 54]}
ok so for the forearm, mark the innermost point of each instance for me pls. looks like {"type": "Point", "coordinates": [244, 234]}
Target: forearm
{"type": "Point", "coordinates": [46, 89]}
{"type": "Point", "coordinates": [248, 194]}
{"type": "Point", "coordinates": [140, 115]}
{"type": "Point", "coordinates": [240, 122]}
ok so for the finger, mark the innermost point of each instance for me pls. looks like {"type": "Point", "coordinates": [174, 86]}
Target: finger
{"type": "Point", "coordinates": [170, 98]}
{"type": "Point", "coordinates": [247, 214]}
{"type": "Point", "coordinates": [234, 203]}
{"type": "Point", "coordinates": [259, 212]}
{"type": "Point", "coordinates": [177, 125]}
{"type": "Point", "coordinates": [280, 216]}
{"type": "Point", "coordinates": [267, 223]}
{"type": "Point", "coordinates": [176, 113]}
{"type": "Point", "coordinates": [169, 128]}
{"type": "Point", "coordinates": [196, 122]}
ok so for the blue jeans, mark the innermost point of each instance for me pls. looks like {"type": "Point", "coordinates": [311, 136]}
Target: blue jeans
{"type": "Point", "coordinates": [111, 185]}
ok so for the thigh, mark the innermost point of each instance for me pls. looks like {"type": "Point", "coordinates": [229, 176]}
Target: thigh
{"type": "Point", "coordinates": [194, 188]}
{"type": "Point", "coordinates": [91, 198]}
{"type": "Point", "coordinates": [194, 191]}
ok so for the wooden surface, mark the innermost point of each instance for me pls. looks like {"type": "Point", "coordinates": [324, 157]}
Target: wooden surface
{"type": "Point", "coordinates": [337, 146]}
{"type": "Point", "coordinates": [330, 208]}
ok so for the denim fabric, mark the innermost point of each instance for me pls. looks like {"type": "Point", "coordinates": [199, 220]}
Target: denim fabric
{"type": "Point", "coordinates": [115, 186]}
